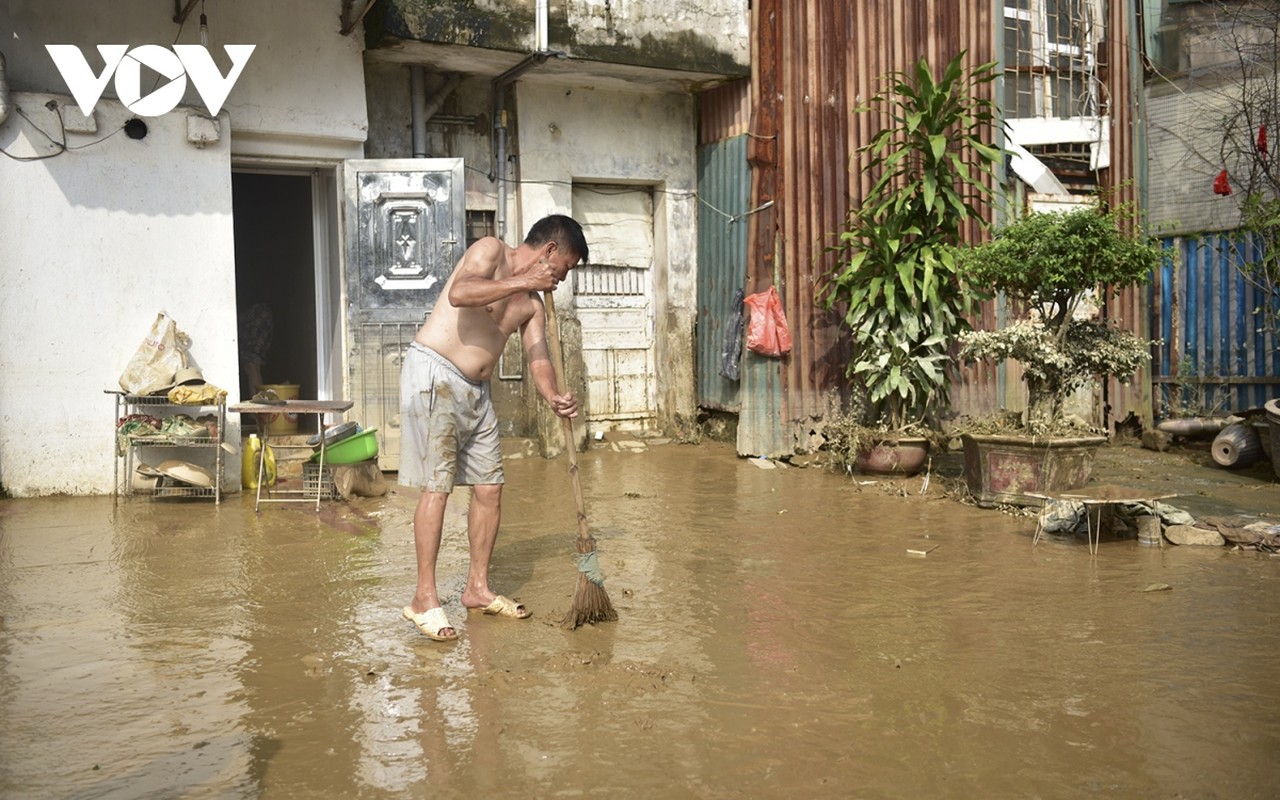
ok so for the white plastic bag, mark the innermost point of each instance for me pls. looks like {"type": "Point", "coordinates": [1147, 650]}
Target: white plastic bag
{"type": "Point", "coordinates": [162, 353]}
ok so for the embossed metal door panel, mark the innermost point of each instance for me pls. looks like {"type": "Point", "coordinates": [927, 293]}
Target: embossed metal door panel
{"type": "Point", "coordinates": [404, 224]}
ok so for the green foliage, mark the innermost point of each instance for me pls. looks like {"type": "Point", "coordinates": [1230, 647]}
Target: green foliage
{"type": "Point", "coordinates": [895, 281]}
{"type": "Point", "coordinates": [1049, 262]}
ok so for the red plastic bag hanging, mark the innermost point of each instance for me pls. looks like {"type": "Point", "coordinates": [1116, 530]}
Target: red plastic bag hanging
{"type": "Point", "coordinates": [1221, 184]}
{"type": "Point", "coordinates": [767, 332]}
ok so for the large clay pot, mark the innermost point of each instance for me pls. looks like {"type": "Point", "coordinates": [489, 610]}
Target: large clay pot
{"type": "Point", "coordinates": [905, 456]}
{"type": "Point", "coordinates": [1013, 469]}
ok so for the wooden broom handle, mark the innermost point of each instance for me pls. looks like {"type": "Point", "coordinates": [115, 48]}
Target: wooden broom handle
{"type": "Point", "coordinates": [557, 363]}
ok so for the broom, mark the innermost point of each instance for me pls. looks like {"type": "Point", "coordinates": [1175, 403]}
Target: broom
{"type": "Point", "coordinates": [590, 601]}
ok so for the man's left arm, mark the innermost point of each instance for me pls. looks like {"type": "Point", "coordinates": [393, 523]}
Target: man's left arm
{"type": "Point", "coordinates": [534, 335]}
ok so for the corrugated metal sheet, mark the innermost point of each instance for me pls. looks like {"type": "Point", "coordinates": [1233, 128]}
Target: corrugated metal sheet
{"type": "Point", "coordinates": [724, 112]}
{"type": "Point", "coordinates": [813, 62]}
{"type": "Point", "coordinates": [724, 188]}
{"type": "Point", "coordinates": [1217, 355]}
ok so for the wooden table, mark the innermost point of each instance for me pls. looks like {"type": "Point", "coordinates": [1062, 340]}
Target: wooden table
{"type": "Point", "coordinates": [1095, 499]}
{"type": "Point", "coordinates": [317, 407]}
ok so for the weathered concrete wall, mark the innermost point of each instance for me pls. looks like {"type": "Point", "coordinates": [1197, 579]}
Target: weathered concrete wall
{"type": "Point", "coordinates": [101, 237]}
{"type": "Point", "coordinates": [465, 131]}
{"type": "Point", "coordinates": [586, 134]}
{"type": "Point", "coordinates": [709, 36]}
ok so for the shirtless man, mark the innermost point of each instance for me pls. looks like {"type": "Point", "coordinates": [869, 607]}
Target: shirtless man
{"type": "Point", "coordinates": [450, 432]}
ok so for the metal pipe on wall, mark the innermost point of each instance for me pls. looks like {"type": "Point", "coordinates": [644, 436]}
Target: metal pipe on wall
{"type": "Point", "coordinates": [539, 55]}
{"type": "Point", "coordinates": [500, 85]}
{"type": "Point", "coordinates": [422, 110]}
{"type": "Point", "coordinates": [540, 32]}
{"type": "Point", "coordinates": [417, 102]}
{"type": "Point", "coordinates": [4, 91]}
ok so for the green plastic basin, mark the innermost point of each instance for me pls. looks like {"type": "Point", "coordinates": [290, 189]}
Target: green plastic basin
{"type": "Point", "coordinates": [352, 450]}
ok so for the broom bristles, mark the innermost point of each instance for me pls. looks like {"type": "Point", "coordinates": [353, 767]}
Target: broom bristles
{"type": "Point", "coordinates": [590, 605]}
{"type": "Point", "coordinates": [590, 601]}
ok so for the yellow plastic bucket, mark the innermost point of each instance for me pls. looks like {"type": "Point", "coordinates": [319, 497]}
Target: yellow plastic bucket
{"type": "Point", "coordinates": [282, 424]}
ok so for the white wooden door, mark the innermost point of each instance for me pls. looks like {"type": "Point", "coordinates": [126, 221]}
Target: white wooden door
{"type": "Point", "coordinates": [613, 300]}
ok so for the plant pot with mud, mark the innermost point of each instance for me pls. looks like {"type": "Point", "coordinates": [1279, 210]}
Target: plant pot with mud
{"type": "Point", "coordinates": [1056, 267]}
{"type": "Point", "coordinates": [894, 282]}
{"type": "Point", "coordinates": [853, 447]}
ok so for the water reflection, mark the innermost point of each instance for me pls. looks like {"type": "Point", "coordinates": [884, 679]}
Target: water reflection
{"type": "Point", "coordinates": [776, 638]}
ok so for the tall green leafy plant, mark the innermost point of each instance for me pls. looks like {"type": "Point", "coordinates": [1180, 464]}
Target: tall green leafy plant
{"type": "Point", "coordinates": [895, 281]}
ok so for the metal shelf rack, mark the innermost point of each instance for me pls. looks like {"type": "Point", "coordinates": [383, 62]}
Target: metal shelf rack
{"type": "Point", "coordinates": [166, 486]}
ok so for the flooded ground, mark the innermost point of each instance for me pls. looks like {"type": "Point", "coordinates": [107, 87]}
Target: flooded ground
{"type": "Point", "coordinates": [776, 639]}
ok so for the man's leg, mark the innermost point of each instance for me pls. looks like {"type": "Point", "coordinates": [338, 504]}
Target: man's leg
{"type": "Point", "coordinates": [428, 523]}
{"type": "Point", "coordinates": [482, 531]}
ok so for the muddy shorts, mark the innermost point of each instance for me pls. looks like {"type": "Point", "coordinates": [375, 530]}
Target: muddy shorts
{"type": "Point", "coordinates": [448, 429]}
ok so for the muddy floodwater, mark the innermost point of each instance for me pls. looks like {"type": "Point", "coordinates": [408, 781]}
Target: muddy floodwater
{"type": "Point", "coordinates": [776, 639]}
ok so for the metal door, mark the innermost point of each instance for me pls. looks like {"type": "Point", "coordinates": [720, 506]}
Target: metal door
{"type": "Point", "coordinates": [405, 232]}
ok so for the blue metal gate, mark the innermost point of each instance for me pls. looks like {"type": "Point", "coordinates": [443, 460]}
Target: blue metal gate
{"type": "Point", "coordinates": [1219, 354]}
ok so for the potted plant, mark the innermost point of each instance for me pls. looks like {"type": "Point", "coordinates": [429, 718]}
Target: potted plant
{"type": "Point", "coordinates": [895, 283]}
{"type": "Point", "coordinates": [1049, 264]}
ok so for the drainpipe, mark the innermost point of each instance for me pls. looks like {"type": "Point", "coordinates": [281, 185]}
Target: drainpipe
{"type": "Point", "coordinates": [417, 101]}
{"type": "Point", "coordinates": [500, 85]}
{"type": "Point", "coordinates": [539, 55]}
{"type": "Point", "coordinates": [540, 34]}
{"type": "Point", "coordinates": [4, 92]}
{"type": "Point", "coordinates": [432, 108]}
{"type": "Point", "coordinates": [423, 110]}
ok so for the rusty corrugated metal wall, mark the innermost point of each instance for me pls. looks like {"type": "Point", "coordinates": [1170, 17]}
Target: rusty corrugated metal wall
{"type": "Point", "coordinates": [813, 62]}
{"type": "Point", "coordinates": [1132, 309]}
{"type": "Point", "coordinates": [724, 189]}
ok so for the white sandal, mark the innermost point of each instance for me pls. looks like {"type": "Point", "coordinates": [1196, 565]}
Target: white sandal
{"type": "Point", "coordinates": [430, 622]}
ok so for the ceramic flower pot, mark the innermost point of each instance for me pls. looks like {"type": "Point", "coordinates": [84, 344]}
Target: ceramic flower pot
{"type": "Point", "coordinates": [905, 456]}
{"type": "Point", "coordinates": [1013, 469]}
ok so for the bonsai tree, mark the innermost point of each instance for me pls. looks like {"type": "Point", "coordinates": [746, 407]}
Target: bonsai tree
{"type": "Point", "coordinates": [895, 281]}
{"type": "Point", "coordinates": [1048, 263]}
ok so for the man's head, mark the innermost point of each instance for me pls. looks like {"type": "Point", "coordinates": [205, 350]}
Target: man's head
{"type": "Point", "coordinates": [564, 234]}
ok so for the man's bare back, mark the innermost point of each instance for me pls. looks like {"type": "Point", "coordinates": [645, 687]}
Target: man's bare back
{"type": "Point", "coordinates": [491, 294]}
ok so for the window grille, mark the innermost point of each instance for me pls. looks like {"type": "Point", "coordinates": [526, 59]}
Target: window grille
{"type": "Point", "coordinates": [1050, 62]}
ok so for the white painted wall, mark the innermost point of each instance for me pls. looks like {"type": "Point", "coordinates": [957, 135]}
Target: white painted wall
{"type": "Point", "coordinates": [569, 134]}
{"type": "Point", "coordinates": [304, 83]}
{"type": "Point", "coordinates": [96, 242]}
{"type": "Point", "coordinates": [97, 239]}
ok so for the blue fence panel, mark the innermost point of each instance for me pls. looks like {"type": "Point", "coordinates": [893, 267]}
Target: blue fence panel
{"type": "Point", "coordinates": [1219, 351]}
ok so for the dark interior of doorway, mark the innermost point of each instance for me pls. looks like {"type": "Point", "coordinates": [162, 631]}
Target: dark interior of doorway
{"type": "Point", "coordinates": [275, 264]}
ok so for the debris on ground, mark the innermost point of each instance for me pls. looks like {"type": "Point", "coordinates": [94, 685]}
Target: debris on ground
{"type": "Point", "coordinates": [1192, 535]}
{"type": "Point", "coordinates": [1179, 527]}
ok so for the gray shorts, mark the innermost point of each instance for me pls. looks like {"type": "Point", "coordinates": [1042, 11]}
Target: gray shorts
{"type": "Point", "coordinates": [448, 429]}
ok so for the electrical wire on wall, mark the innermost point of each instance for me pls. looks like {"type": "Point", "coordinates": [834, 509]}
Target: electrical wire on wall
{"type": "Point", "coordinates": [60, 143]}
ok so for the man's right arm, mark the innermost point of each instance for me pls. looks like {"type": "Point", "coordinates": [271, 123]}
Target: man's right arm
{"type": "Point", "coordinates": [474, 284]}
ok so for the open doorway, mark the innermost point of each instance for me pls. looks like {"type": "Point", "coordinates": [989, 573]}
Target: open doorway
{"type": "Point", "coordinates": [276, 265]}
